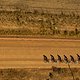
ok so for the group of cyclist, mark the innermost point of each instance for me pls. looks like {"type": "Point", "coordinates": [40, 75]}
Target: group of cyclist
{"type": "Point", "coordinates": [52, 59]}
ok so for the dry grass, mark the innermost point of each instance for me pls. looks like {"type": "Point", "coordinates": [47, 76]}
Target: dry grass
{"type": "Point", "coordinates": [37, 74]}
{"type": "Point", "coordinates": [30, 23]}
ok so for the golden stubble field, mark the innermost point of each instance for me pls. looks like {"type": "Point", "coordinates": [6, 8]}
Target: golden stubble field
{"type": "Point", "coordinates": [28, 53]}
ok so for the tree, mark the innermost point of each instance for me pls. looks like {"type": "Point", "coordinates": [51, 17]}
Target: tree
{"type": "Point", "coordinates": [76, 31]}
{"type": "Point", "coordinates": [65, 32]}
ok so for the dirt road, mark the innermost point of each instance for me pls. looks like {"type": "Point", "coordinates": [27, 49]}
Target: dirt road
{"type": "Point", "coordinates": [28, 53]}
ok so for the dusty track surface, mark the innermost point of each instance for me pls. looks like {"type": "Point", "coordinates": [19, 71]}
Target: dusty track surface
{"type": "Point", "coordinates": [28, 53]}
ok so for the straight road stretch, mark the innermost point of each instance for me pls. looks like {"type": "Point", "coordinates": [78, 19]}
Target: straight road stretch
{"type": "Point", "coordinates": [28, 53]}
